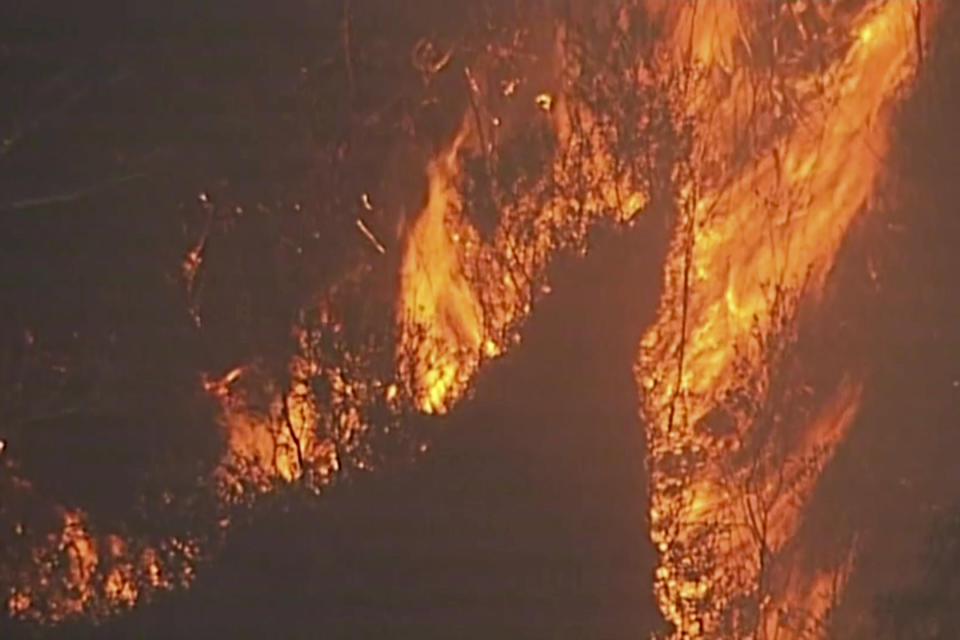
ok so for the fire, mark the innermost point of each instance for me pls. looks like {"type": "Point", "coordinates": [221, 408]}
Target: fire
{"type": "Point", "coordinates": [462, 298]}
{"type": "Point", "coordinates": [283, 433]}
{"type": "Point", "coordinates": [82, 572]}
{"type": "Point", "coordinates": [749, 229]}
{"type": "Point", "coordinates": [437, 300]}
{"type": "Point", "coordinates": [275, 443]}
{"type": "Point", "coordinates": [786, 152]}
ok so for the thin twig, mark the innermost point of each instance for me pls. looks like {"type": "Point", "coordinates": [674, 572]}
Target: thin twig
{"type": "Point", "coordinates": [285, 414]}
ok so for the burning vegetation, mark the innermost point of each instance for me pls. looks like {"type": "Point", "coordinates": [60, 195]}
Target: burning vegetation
{"type": "Point", "coordinates": [758, 132]}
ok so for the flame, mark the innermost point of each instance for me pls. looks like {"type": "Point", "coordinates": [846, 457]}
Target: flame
{"type": "Point", "coordinates": [461, 298]}
{"type": "Point", "coordinates": [781, 164]}
{"type": "Point", "coordinates": [81, 572]}
{"type": "Point", "coordinates": [436, 298]}
{"type": "Point", "coordinates": [749, 228]}
{"type": "Point", "coordinates": [273, 444]}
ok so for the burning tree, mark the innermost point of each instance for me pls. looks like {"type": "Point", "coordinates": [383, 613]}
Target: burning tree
{"type": "Point", "coordinates": [738, 490]}
{"type": "Point", "coordinates": [744, 224]}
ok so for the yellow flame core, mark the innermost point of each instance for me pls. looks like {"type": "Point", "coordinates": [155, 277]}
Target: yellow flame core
{"type": "Point", "coordinates": [461, 297]}
{"type": "Point", "coordinates": [439, 308]}
{"type": "Point", "coordinates": [751, 223]}
{"type": "Point", "coordinates": [746, 226]}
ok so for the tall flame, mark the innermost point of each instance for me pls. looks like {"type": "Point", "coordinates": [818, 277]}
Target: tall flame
{"type": "Point", "coordinates": [461, 298]}
{"type": "Point", "coordinates": [439, 308]}
{"type": "Point", "coordinates": [750, 228]}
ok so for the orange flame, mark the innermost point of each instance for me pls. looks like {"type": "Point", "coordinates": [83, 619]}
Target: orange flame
{"type": "Point", "coordinates": [460, 297]}
{"type": "Point", "coordinates": [436, 298]}
{"type": "Point", "coordinates": [749, 227]}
